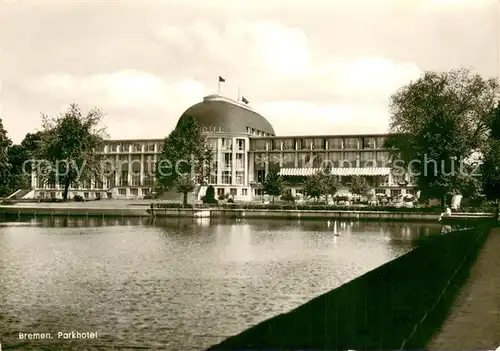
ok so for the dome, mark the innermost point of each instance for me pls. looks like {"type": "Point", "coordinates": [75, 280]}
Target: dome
{"type": "Point", "coordinates": [222, 114]}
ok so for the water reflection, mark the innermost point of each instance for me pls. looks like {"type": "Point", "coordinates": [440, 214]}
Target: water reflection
{"type": "Point", "coordinates": [178, 284]}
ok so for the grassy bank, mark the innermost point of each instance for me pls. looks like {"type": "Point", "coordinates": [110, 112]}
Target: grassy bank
{"type": "Point", "coordinates": [379, 310]}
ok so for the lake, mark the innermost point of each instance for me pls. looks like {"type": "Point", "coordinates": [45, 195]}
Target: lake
{"type": "Point", "coordinates": [175, 284]}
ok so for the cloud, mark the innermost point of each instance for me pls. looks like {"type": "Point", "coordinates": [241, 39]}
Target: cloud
{"type": "Point", "coordinates": [122, 89]}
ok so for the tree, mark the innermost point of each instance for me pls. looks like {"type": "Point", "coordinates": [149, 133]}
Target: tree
{"type": "Point", "coordinates": [314, 186]}
{"type": "Point", "coordinates": [210, 195]}
{"type": "Point", "coordinates": [490, 167]}
{"type": "Point", "coordinates": [437, 122]}
{"type": "Point", "coordinates": [331, 183]}
{"type": "Point", "coordinates": [359, 186]}
{"type": "Point", "coordinates": [273, 184]}
{"type": "Point", "coordinates": [185, 152]}
{"type": "Point", "coordinates": [67, 148]}
{"type": "Point", "coordinates": [5, 166]}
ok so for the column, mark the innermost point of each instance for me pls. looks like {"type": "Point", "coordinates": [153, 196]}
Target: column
{"type": "Point", "coordinates": [246, 176]}
{"type": "Point", "coordinates": [233, 162]}
{"type": "Point", "coordinates": [250, 167]}
{"type": "Point", "coordinates": [129, 175]}
{"type": "Point", "coordinates": [142, 169]}
{"type": "Point", "coordinates": [220, 160]}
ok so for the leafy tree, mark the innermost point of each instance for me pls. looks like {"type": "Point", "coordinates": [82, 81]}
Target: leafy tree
{"type": "Point", "coordinates": [210, 195]}
{"type": "Point", "coordinates": [5, 166]}
{"type": "Point", "coordinates": [67, 148]}
{"type": "Point", "coordinates": [186, 158]}
{"type": "Point", "coordinates": [359, 186]}
{"type": "Point", "coordinates": [314, 186]}
{"type": "Point", "coordinates": [273, 184]}
{"type": "Point", "coordinates": [490, 168]}
{"type": "Point", "coordinates": [331, 183]}
{"type": "Point", "coordinates": [437, 122]}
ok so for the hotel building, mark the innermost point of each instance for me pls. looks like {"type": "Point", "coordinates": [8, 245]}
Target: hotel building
{"type": "Point", "coordinates": [245, 149]}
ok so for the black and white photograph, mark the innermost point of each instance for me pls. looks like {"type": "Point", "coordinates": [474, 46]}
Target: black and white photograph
{"type": "Point", "coordinates": [250, 175]}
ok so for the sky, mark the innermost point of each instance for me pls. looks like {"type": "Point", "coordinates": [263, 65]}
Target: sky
{"type": "Point", "coordinates": [310, 67]}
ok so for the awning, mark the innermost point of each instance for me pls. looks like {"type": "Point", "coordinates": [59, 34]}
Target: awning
{"type": "Point", "coordinates": [348, 171]}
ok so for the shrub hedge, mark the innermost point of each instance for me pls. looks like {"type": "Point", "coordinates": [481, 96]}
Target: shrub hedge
{"type": "Point", "coordinates": [253, 206]}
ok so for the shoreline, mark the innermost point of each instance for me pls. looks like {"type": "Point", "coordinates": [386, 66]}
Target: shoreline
{"type": "Point", "coordinates": [140, 210]}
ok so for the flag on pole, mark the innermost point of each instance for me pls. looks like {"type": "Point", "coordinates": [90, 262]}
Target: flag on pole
{"type": "Point", "coordinates": [221, 79]}
{"type": "Point", "coordinates": [243, 99]}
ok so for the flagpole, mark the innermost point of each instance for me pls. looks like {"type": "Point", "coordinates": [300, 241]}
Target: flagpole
{"type": "Point", "coordinates": [218, 86]}
{"type": "Point", "coordinates": [238, 92]}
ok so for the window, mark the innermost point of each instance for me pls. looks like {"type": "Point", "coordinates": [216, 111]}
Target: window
{"type": "Point", "coordinates": [368, 143]}
{"type": "Point", "coordinates": [149, 180]}
{"type": "Point", "coordinates": [334, 158]}
{"type": "Point", "coordinates": [244, 192]}
{"type": "Point", "coordinates": [241, 144]}
{"type": "Point", "coordinates": [319, 144]}
{"type": "Point", "coordinates": [249, 130]}
{"type": "Point", "coordinates": [259, 192]}
{"type": "Point", "coordinates": [53, 194]}
{"type": "Point", "coordinates": [349, 159]}
{"type": "Point", "coordinates": [124, 147]}
{"type": "Point", "coordinates": [86, 195]}
{"type": "Point", "coordinates": [149, 148]}
{"type": "Point", "coordinates": [259, 144]}
{"type": "Point", "coordinates": [212, 143]}
{"type": "Point", "coordinates": [99, 184]}
{"type": "Point", "coordinates": [383, 158]}
{"type": "Point", "coordinates": [288, 144]}
{"type": "Point", "coordinates": [145, 192]}
{"type": "Point", "coordinates": [122, 192]}
{"type": "Point", "coordinates": [213, 178]}
{"type": "Point", "coordinates": [351, 143]}
{"type": "Point", "coordinates": [261, 175]}
{"type": "Point", "coordinates": [260, 160]}
{"type": "Point", "coordinates": [380, 142]}
{"type": "Point", "coordinates": [109, 195]}
{"type": "Point", "coordinates": [368, 159]}
{"type": "Point", "coordinates": [335, 143]}
{"type": "Point", "coordinates": [228, 160]}
{"type": "Point", "coordinates": [318, 159]}
{"type": "Point", "coordinates": [276, 144]}
{"type": "Point", "coordinates": [239, 161]}
{"type": "Point", "coordinates": [304, 159]}
{"type": "Point", "coordinates": [42, 194]}
{"type": "Point", "coordinates": [233, 191]}
{"type": "Point", "coordinates": [288, 160]}
{"type": "Point", "coordinates": [137, 148]}
{"type": "Point", "coordinates": [159, 147]}
{"type": "Point", "coordinates": [305, 144]}
{"type": "Point", "coordinates": [134, 192]}
{"type": "Point", "coordinates": [239, 177]}
{"type": "Point", "coordinates": [220, 191]}
{"type": "Point", "coordinates": [226, 177]}
{"type": "Point", "coordinates": [227, 144]}
{"type": "Point", "coordinates": [124, 178]}
{"type": "Point", "coordinates": [136, 180]}
{"type": "Point", "coordinates": [112, 148]}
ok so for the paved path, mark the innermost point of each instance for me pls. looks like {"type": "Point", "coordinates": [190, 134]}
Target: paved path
{"type": "Point", "coordinates": [474, 321]}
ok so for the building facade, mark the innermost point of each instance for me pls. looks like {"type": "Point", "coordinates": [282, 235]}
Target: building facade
{"type": "Point", "coordinates": [245, 150]}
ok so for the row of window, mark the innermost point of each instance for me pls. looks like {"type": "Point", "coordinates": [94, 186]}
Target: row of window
{"type": "Point", "coordinates": [135, 147]}
{"type": "Point", "coordinates": [320, 143]}
{"type": "Point", "coordinates": [232, 191]}
{"type": "Point", "coordinates": [319, 159]}
{"type": "Point", "coordinates": [253, 131]}
{"type": "Point", "coordinates": [226, 144]}
{"type": "Point", "coordinates": [227, 178]}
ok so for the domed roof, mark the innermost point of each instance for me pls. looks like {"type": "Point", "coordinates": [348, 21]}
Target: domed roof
{"type": "Point", "coordinates": [219, 113]}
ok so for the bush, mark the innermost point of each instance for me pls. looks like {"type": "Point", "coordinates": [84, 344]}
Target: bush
{"type": "Point", "coordinates": [221, 197]}
{"type": "Point", "coordinates": [78, 198]}
{"type": "Point", "coordinates": [231, 201]}
{"type": "Point", "coordinates": [172, 205]}
{"type": "Point", "coordinates": [288, 197]}
{"type": "Point", "coordinates": [148, 197]}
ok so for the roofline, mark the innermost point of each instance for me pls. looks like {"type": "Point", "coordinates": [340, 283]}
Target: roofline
{"type": "Point", "coordinates": [134, 140]}
{"type": "Point", "coordinates": [322, 136]}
